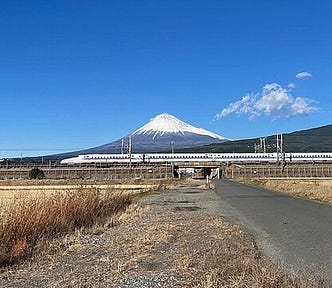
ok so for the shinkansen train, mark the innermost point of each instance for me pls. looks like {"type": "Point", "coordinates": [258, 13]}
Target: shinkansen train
{"type": "Point", "coordinates": [199, 157]}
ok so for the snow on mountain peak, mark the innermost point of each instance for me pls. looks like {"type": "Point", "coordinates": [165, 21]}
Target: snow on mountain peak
{"type": "Point", "coordinates": [167, 123]}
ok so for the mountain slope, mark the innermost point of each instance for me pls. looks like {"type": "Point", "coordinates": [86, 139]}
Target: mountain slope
{"type": "Point", "coordinates": [161, 134]}
{"type": "Point", "coordinates": [323, 131]}
{"type": "Point", "coordinates": [311, 140]}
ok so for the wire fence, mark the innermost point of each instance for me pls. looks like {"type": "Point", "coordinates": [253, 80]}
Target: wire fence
{"type": "Point", "coordinates": [164, 171]}
{"type": "Point", "coordinates": [96, 173]}
{"type": "Point", "coordinates": [319, 171]}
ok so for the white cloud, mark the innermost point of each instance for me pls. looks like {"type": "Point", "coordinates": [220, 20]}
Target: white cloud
{"type": "Point", "coordinates": [302, 106]}
{"type": "Point", "coordinates": [274, 101]}
{"type": "Point", "coordinates": [303, 75]}
{"type": "Point", "coordinates": [243, 106]}
{"type": "Point", "coordinates": [291, 86]}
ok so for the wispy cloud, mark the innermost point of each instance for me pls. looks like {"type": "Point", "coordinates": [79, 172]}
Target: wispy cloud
{"type": "Point", "coordinates": [303, 75]}
{"type": "Point", "coordinates": [274, 101]}
{"type": "Point", "coordinates": [291, 86]}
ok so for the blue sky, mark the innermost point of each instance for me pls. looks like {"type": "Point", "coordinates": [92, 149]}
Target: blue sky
{"type": "Point", "coordinates": [78, 74]}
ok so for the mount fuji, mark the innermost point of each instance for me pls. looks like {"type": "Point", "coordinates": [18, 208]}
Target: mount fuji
{"type": "Point", "coordinates": [161, 134]}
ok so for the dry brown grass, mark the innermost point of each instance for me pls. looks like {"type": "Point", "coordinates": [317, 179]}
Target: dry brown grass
{"type": "Point", "coordinates": [25, 220]}
{"type": "Point", "coordinates": [86, 182]}
{"type": "Point", "coordinates": [320, 190]}
{"type": "Point", "coordinates": [199, 250]}
{"type": "Point", "coordinates": [32, 214]}
{"type": "Point", "coordinates": [10, 189]}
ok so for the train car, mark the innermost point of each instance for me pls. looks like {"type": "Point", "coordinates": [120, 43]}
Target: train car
{"type": "Point", "coordinates": [308, 157]}
{"type": "Point", "coordinates": [103, 159]}
{"type": "Point", "coordinates": [237, 158]}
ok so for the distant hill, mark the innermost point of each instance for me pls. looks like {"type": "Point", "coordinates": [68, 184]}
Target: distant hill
{"type": "Point", "coordinates": [311, 140]}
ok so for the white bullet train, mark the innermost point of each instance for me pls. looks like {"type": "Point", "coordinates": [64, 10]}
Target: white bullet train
{"type": "Point", "coordinates": [322, 157]}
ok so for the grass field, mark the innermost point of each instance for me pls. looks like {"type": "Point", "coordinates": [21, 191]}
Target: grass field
{"type": "Point", "coordinates": [26, 220]}
{"type": "Point", "coordinates": [37, 210]}
{"type": "Point", "coordinates": [318, 189]}
{"type": "Point", "coordinates": [202, 250]}
{"type": "Point", "coordinates": [11, 189]}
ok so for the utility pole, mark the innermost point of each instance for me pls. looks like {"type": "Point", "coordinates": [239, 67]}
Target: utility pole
{"type": "Point", "coordinates": [129, 151]}
{"type": "Point", "coordinates": [172, 144]}
{"type": "Point", "coordinates": [280, 148]}
{"type": "Point", "coordinates": [263, 144]}
{"type": "Point", "coordinates": [261, 147]}
{"type": "Point", "coordinates": [122, 146]}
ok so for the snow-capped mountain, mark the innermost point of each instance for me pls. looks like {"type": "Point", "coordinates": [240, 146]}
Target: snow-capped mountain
{"type": "Point", "coordinates": [162, 133]}
{"type": "Point", "coordinates": [166, 123]}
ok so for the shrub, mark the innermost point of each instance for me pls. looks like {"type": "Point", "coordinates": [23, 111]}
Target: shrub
{"type": "Point", "coordinates": [27, 220]}
{"type": "Point", "coordinates": [36, 173]}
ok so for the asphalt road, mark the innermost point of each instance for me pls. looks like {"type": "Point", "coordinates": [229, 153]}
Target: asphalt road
{"type": "Point", "coordinates": [295, 233]}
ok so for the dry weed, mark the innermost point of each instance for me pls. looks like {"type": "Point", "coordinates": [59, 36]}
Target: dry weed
{"type": "Point", "coordinates": [320, 190]}
{"type": "Point", "coordinates": [201, 250]}
{"type": "Point", "coordinates": [25, 220]}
